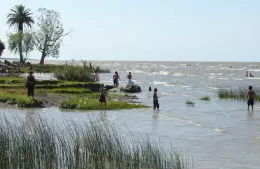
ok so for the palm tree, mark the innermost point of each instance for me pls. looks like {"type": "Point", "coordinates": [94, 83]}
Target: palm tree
{"type": "Point", "coordinates": [18, 18]}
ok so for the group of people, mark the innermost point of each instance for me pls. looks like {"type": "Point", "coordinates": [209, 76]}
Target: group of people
{"type": "Point", "coordinates": [250, 75]}
{"type": "Point", "coordinates": [116, 79]}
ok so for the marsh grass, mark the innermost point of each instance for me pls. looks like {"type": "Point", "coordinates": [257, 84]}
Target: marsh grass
{"type": "Point", "coordinates": [205, 98]}
{"type": "Point", "coordinates": [37, 143]}
{"type": "Point", "coordinates": [19, 100]}
{"type": "Point", "coordinates": [189, 102]}
{"type": "Point", "coordinates": [71, 90]}
{"type": "Point", "coordinates": [74, 73]}
{"type": "Point", "coordinates": [90, 102]}
{"type": "Point", "coordinates": [237, 94]}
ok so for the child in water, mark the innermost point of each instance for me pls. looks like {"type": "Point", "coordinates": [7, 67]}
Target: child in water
{"type": "Point", "coordinates": [155, 99]}
{"type": "Point", "coordinates": [249, 96]}
{"type": "Point", "coordinates": [102, 96]}
{"type": "Point", "coordinates": [115, 79]}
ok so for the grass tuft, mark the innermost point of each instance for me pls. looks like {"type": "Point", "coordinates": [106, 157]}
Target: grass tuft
{"type": "Point", "coordinates": [71, 90]}
{"type": "Point", "coordinates": [205, 98]}
{"type": "Point", "coordinates": [189, 102]}
{"type": "Point", "coordinates": [19, 100]}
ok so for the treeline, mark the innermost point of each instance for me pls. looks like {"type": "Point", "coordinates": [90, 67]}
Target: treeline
{"type": "Point", "coordinates": [46, 35]}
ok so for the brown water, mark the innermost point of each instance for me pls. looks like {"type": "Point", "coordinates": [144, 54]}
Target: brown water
{"type": "Point", "coordinates": [218, 134]}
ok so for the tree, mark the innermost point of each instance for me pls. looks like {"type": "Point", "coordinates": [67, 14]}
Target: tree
{"type": "Point", "coordinates": [48, 37]}
{"type": "Point", "coordinates": [2, 47]}
{"type": "Point", "coordinates": [26, 38]}
{"type": "Point", "coordinates": [20, 17]}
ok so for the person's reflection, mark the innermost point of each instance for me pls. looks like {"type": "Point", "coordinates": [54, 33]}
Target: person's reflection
{"type": "Point", "coordinates": [103, 115]}
{"type": "Point", "coordinates": [155, 114]}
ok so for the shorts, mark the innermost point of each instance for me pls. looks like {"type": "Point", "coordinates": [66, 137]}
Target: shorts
{"type": "Point", "coordinates": [115, 81]}
{"type": "Point", "coordinates": [155, 104]}
{"type": "Point", "coordinates": [102, 98]}
{"type": "Point", "coordinates": [250, 101]}
{"type": "Point", "coordinates": [129, 83]}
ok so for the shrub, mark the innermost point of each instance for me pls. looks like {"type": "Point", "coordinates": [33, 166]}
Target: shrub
{"type": "Point", "coordinates": [74, 73]}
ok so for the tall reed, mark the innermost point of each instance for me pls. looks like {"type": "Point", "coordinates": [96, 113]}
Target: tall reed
{"type": "Point", "coordinates": [39, 143]}
{"type": "Point", "coordinates": [238, 93]}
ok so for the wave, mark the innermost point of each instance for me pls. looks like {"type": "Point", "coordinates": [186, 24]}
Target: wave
{"type": "Point", "coordinates": [166, 83]}
{"type": "Point", "coordinates": [181, 120]}
{"type": "Point", "coordinates": [219, 130]}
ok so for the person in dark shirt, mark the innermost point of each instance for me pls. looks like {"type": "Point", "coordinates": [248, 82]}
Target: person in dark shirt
{"type": "Point", "coordinates": [30, 84]}
{"type": "Point", "coordinates": [155, 99]}
{"type": "Point", "coordinates": [2, 47]}
{"type": "Point", "coordinates": [250, 97]}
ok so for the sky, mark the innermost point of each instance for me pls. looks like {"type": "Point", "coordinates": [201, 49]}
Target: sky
{"type": "Point", "coordinates": [151, 30]}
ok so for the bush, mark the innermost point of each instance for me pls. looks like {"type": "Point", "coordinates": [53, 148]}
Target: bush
{"type": "Point", "coordinates": [74, 73]}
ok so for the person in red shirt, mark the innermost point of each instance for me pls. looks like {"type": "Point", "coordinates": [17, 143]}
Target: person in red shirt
{"type": "Point", "coordinates": [250, 97]}
{"type": "Point", "coordinates": [2, 47]}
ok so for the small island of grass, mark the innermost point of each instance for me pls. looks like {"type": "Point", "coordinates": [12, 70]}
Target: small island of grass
{"type": "Point", "coordinates": [189, 102]}
{"type": "Point", "coordinates": [237, 94]}
{"type": "Point", "coordinates": [205, 98]}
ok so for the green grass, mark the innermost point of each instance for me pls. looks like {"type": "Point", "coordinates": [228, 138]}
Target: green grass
{"type": "Point", "coordinates": [34, 142]}
{"type": "Point", "coordinates": [89, 103]}
{"type": "Point", "coordinates": [19, 100]}
{"type": "Point", "coordinates": [71, 90]}
{"type": "Point", "coordinates": [205, 98]}
{"type": "Point", "coordinates": [189, 102]}
{"type": "Point", "coordinates": [237, 94]}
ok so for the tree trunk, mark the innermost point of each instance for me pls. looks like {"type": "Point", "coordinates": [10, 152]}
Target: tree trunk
{"type": "Point", "coordinates": [42, 59]}
{"type": "Point", "coordinates": [44, 51]}
{"type": "Point", "coordinates": [20, 42]}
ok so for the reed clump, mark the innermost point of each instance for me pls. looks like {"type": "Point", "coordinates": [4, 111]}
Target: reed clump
{"type": "Point", "coordinates": [205, 98]}
{"type": "Point", "coordinates": [37, 143]}
{"type": "Point", "coordinates": [189, 102]}
{"type": "Point", "coordinates": [237, 94]}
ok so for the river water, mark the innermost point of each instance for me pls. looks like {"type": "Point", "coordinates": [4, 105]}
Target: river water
{"type": "Point", "coordinates": [218, 134]}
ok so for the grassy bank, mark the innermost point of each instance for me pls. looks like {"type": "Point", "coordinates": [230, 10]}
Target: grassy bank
{"type": "Point", "coordinates": [37, 143]}
{"type": "Point", "coordinates": [83, 103]}
{"type": "Point", "coordinates": [19, 100]}
{"type": "Point", "coordinates": [237, 94]}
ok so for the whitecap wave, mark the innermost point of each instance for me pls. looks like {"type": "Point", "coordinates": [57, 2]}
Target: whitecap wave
{"type": "Point", "coordinates": [219, 130]}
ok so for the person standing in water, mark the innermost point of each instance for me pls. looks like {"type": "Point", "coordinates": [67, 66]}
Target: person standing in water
{"type": "Point", "coordinates": [155, 99]}
{"type": "Point", "coordinates": [250, 97]}
{"type": "Point", "coordinates": [102, 96]}
{"type": "Point", "coordinates": [30, 84]}
{"type": "Point", "coordinates": [129, 77]}
{"type": "Point", "coordinates": [246, 74]}
{"type": "Point", "coordinates": [115, 79]}
{"type": "Point", "coordinates": [96, 75]}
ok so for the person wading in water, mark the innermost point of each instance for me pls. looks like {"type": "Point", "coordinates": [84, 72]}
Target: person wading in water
{"type": "Point", "coordinates": [102, 96]}
{"type": "Point", "coordinates": [250, 96]}
{"type": "Point", "coordinates": [30, 84]}
{"type": "Point", "coordinates": [115, 79]}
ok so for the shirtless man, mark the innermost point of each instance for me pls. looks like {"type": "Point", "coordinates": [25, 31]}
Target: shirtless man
{"type": "Point", "coordinates": [102, 96]}
{"type": "Point", "coordinates": [115, 79]}
{"type": "Point", "coordinates": [249, 96]}
{"type": "Point", "coordinates": [2, 47]}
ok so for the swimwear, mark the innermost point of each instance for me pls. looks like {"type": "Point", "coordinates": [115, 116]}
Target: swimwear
{"type": "Point", "coordinates": [115, 80]}
{"type": "Point", "coordinates": [250, 101]}
{"type": "Point", "coordinates": [102, 98]}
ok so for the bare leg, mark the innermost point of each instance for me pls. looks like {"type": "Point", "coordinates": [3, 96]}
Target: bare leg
{"type": "Point", "coordinates": [105, 105]}
{"type": "Point", "coordinates": [252, 107]}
